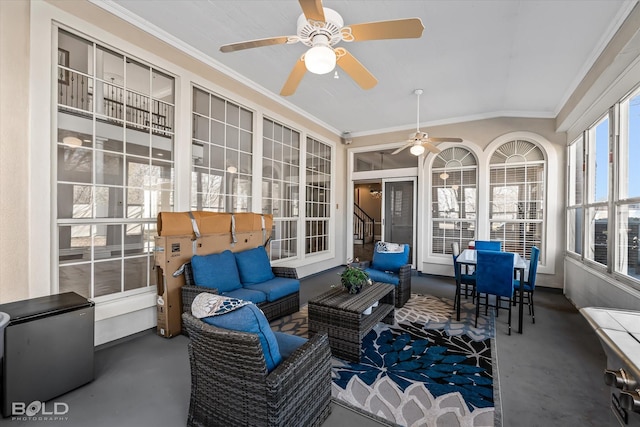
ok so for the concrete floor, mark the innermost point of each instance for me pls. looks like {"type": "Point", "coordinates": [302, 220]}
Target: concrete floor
{"type": "Point", "coordinates": [551, 375]}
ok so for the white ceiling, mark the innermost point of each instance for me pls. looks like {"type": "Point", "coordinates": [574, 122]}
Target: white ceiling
{"type": "Point", "coordinates": [476, 59]}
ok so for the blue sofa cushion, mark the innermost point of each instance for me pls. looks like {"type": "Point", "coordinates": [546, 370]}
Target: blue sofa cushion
{"type": "Point", "coordinates": [254, 266]}
{"type": "Point", "coordinates": [255, 297]}
{"type": "Point", "coordinates": [252, 320]}
{"type": "Point", "coordinates": [288, 343]}
{"type": "Point", "coordinates": [383, 276]}
{"type": "Point", "coordinates": [390, 261]}
{"type": "Point", "coordinates": [276, 288]}
{"type": "Point", "coordinates": [216, 271]}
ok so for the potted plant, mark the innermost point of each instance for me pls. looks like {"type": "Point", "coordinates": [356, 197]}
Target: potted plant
{"type": "Point", "coordinates": [353, 278]}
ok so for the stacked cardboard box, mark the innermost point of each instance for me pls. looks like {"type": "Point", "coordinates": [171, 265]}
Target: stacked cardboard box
{"type": "Point", "coordinates": [184, 234]}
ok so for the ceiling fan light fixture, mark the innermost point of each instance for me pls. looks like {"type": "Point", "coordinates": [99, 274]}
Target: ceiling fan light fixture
{"type": "Point", "coordinates": [417, 149]}
{"type": "Point", "coordinates": [320, 59]}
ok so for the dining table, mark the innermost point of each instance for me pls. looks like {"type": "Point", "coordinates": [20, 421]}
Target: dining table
{"type": "Point", "coordinates": [469, 257]}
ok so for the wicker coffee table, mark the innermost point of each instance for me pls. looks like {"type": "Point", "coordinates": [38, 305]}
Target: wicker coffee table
{"type": "Point", "coordinates": [341, 316]}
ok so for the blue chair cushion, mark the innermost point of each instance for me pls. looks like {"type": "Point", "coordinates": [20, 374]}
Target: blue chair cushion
{"type": "Point", "coordinates": [390, 261]}
{"type": "Point", "coordinates": [254, 266]}
{"type": "Point", "coordinates": [383, 276]}
{"type": "Point", "coordinates": [255, 297]}
{"type": "Point", "coordinates": [288, 343]}
{"type": "Point", "coordinates": [216, 271]}
{"type": "Point", "coordinates": [252, 320]}
{"type": "Point", "coordinates": [276, 288]}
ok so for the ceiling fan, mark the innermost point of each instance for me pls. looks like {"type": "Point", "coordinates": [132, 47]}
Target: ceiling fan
{"type": "Point", "coordinates": [321, 28]}
{"type": "Point", "coordinates": [420, 141]}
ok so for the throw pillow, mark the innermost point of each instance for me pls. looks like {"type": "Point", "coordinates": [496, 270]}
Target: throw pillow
{"type": "Point", "coordinates": [216, 271]}
{"type": "Point", "coordinates": [251, 319]}
{"type": "Point", "coordinates": [206, 304]}
{"type": "Point", "coordinates": [254, 266]}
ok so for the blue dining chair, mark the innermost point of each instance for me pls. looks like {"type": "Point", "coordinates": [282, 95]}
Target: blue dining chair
{"type": "Point", "coordinates": [529, 284]}
{"type": "Point", "coordinates": [468, 280]}
{"type": "Point", "coordinates": [494, 276]}
{"type": "Point", "coordinates": [488, 245]}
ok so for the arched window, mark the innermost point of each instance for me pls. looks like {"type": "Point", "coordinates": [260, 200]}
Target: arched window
{"type": "Point", "coordinates": [453, 198]}
{"type": "Point", "coordinates": [517, 196]}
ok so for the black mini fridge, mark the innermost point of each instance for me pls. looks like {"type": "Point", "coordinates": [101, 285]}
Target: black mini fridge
{"type": "Point", "coordinates": [48, 349]}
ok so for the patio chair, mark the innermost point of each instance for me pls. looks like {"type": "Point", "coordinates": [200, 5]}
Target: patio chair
{"type": "Point", "coordinates": [391, 264]}
{"type": "Point", "coordinates": [488, 245]}
{"type": "Point", "coordinates": [233, 384]}
{"type": "Point", "coordinates": [466, 279]}
{"type": "Point", "coordinates": [494, 276]}
{"type": "Point", "coordinates": [529, 285]}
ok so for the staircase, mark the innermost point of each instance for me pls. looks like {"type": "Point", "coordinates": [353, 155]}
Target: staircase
{"type": "Point", "coordinates": [362, 226]}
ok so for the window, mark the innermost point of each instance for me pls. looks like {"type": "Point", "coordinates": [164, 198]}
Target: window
{"type": "Point", "coordinates": [280, 186]}
{"type": "Point", "coordinates": [611, 207]}
{"type": "Point", "coordinates": [574, 206]}
{"type": "Point", "coordinates": [596, 208]}
{"type": "Point", "coordinates": [453, 197]}
{"type": "Point", "coordinates": [628, 201]}
{"type": "Point", "coordinates": [516, 196]}
{"type": "Point", "coordinates": [114, 166]}
{"type": "Point", "coordinates": [221, 152]}
{"type": "Point", "coordinates": [383, 160]}
{"type": "Point", "coordinates": [318, 196]}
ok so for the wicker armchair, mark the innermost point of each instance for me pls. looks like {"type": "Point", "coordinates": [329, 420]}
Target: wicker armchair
{"type": "Point", "coordinates": [400, 274]}
{"type": "Point", "coordinates": [230, 384]}
{"type": "Point", "coordinates": [288, 304]}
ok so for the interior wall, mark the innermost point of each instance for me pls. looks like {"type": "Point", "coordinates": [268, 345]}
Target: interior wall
{"type": "Point", "coordinates": [14, 150]}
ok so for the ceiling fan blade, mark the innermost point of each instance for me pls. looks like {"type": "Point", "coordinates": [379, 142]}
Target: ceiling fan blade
{"type": "Point", "coordinates": [398, 29]}
{"type": "Point", "coordinates": [294, 79]}
{"type": "Point", "coordinates": [431, 147]}
{"type": "Point", "coordinates": [444, 139]}
{"type": "Point", "coordinates": [249, 44]}
{"type": "Point", "coordinates": [402, 148]}
{"type": "Point", "coordinates": [355, 69]}
{"type": "Point", "coordinates": [312, 9]}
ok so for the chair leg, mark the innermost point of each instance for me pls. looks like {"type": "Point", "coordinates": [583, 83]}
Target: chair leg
{"type": "Point", "coordinates": [533, 310]}
{"type": "Point", "coordinates": [477, 312]}
{"type": "Point", "coordinates": [509, 322]}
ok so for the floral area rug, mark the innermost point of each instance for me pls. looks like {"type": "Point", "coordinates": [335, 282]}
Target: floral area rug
{"type": "Point", "coordinates": [425, 370]}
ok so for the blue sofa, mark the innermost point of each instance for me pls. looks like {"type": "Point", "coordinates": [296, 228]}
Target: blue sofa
{"type": "Point", "coordinates": [246, 275]}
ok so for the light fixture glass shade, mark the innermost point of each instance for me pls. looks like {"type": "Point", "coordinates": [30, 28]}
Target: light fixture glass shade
{"type": "Point", "coordinates": [72, 141]}
{"type": "Point", "coordinates": [232, 169]}
{"type": "Point", "coordinates": [320, 59]}
{"type": "Point", "coordinates": [444, 176]}
{"type": "Point", "coordinates": [416, 150]}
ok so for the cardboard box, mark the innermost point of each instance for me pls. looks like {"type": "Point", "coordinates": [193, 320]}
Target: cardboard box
{"type": "Point", "coordinates": [172, 251]}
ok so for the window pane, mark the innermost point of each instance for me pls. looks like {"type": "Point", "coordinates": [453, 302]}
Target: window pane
{"type": "Point", "coordinates": [601, 166]}
{"type": "Point", "coordinates": [574, 230]}
{"type": "Point", "coordinates": [576, 172]}
{"type": "Point", "coordinates": [598, 221]}
{"type": "Point", "coordinates": [627, 254]}
{"type": "Point", "coordinates": [630, 148]}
